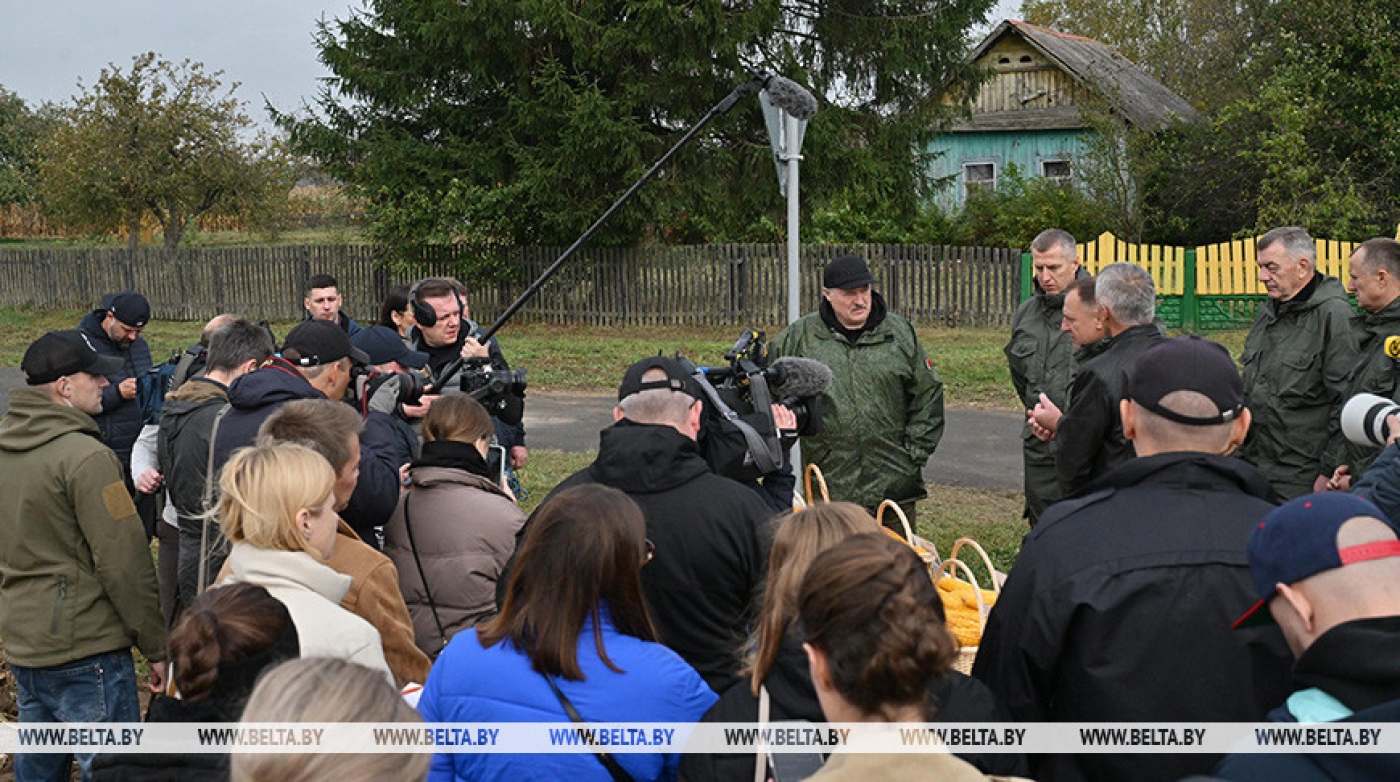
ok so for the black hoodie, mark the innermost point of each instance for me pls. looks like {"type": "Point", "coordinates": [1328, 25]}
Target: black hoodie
{"type": "Point", "coordinates": [711, 536]}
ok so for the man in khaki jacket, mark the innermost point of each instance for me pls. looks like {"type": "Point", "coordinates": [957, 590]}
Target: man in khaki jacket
{"type": "Point", "coordinates": [79, 587]}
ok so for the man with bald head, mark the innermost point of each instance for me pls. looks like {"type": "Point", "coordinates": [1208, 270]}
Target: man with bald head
{"type": "Point", "coordinates": [1374, 274]}
{"type": "Point", "coordinates": [1119, 606]}
{"type": "Point", "coordinates": [1326, 569]}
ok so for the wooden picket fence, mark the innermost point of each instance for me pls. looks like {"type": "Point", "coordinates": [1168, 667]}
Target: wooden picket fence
{"type": "Point", "coordinates": [743, 285]}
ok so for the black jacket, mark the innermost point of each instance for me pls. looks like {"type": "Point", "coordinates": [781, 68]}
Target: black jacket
{"type": "Point", "coordinates": [120, 419]}
{"type": "Point", "coordinates": [1090, 438]}
{"type": "Point", "coordinates": [1355, 663]}
{"type": "Point", "coordinates": [257, 395]}
{"type": "Point", "coordinates": [182, 450]}
{"type": "Point", "coordinates": [182, 767]}
{"type": "Point", "coordinates": [791, 696]}
{"type": "Point", "coordinates": [1119, 608]}
{"type": "Point", "coordinates": [711, 535]}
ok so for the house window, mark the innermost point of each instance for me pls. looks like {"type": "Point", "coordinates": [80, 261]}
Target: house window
{"type": "Point", "coordinates": [979, 177]}
{"type": "Point", "coordinates": [1058, 170]}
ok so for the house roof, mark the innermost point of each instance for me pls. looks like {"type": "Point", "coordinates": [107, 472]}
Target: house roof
{"type": "Point", "coordinates": [1141, 99]}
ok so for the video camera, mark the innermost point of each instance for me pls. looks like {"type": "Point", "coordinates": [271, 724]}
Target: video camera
{"type": "Point", "coordinates": [483, 383]}
{"type": "Point", "coordinates": [405, 387]}
{"type": "Point", "coordinates": [738, 437]}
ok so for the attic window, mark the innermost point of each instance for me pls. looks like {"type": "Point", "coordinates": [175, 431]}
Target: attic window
{"type": "Point", "coordinates": [1004, 61]}
{"type": "Point", "coordinates": [1026, 59]}
{"type": "Point", "coordinates": [1057, 170]}
{"type": "Point", "coordinates": [979, 177]}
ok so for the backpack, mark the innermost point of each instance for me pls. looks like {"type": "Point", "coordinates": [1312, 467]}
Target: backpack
{"type": "Point", "coordinates": [154, 384]}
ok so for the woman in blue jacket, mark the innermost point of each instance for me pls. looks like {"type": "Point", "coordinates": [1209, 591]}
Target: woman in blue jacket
{"type": "Point", "coordinates": [573, 616]}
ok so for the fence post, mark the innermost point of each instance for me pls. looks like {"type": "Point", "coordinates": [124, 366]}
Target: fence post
{"type": "Point", "coordinates": [1027, 275]}
{"type": "Point", "coordinates": [1188, 292]}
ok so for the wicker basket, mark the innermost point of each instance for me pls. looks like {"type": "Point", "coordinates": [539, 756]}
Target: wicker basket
{"type": "Point", "coordinates": [950, 569]}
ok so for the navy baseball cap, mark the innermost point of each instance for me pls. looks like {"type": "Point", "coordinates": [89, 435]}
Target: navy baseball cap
{"type": "Point", "coordinates": [382, 344]}
{"type": "Point", "coordinates": [1299, 539]}
{"type": "Point", "coordinates": [61, 353]}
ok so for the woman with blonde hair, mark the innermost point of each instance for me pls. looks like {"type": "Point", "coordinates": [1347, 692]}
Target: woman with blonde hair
{"type": "Point", "coordinates": [454, 530]}
{"type": "Point", "coordinates": [574, 642]}
{"type": "Point", "coordinates": [276, 508]}
{"type": "Point", "coordinates": [776, 668]}
{"type": "Point", "coordinates": [327, 690]}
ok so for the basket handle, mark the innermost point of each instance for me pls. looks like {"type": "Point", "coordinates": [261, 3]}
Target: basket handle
{"type": "Point", "coordinates": [815, 471]}
{"type": "Point", "coordinates": [986, 560]}
{"type": "Point", "coordinates": [898, 511]}
{"type": "Point", "coordinates": [944, 570]}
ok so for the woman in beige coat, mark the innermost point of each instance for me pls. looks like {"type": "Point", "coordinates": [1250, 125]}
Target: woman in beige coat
{"type": "Point", "coordinates": [276, 507]}
{"type": "Point", "coordinates": [454, 529]}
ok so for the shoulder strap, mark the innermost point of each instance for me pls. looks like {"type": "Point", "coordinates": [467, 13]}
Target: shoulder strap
{"type": "Point", "coordinates": [760, 758]}
{"type": "Point", "coordinates": [766, 456]}
{"type": "Point", "coordinates": [618, 773]}
{"type": "Point", "coordinates": [413, 547]}
{"type": "Point", "coordinates": [203, 578]}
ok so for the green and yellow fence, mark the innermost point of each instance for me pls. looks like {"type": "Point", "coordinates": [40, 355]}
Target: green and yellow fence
{"type": "Point", "coordinates": [1204, 288]}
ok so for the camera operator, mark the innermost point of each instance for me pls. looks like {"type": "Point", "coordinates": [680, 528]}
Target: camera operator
{"type": "Point", "coordinates": [445, 332]}
{"type": "Point", "coordinates": [1375, 279]}
{"type": "Point", "coordinates": [392, 388]}
{"type": "Point", "coordinates": [317, 362]}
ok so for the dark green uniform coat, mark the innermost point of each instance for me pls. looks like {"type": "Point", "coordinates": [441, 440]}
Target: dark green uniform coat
{"type": "Point", "coordinates": [1041, 360]}
{"type": "Point", "coordinates": [1373, 373]}
{"type": "Point", "coordinates": [882, 417]}
{"type": "Point", "coordinates": [1296, 361]}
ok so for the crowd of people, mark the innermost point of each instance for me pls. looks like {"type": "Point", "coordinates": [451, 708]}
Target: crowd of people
{"type": "Point", "coordinates": [340, 537]}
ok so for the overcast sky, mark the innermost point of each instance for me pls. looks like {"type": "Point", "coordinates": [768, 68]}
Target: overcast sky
{"type": "Point", "coordinates": [46, 46]}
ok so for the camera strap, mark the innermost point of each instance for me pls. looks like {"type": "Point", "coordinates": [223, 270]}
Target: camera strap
{"type": "Point", "coordinates": [767, 456]}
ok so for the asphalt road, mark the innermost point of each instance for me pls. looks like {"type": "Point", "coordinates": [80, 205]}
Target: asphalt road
{"type": "Point", "coordinates": [980, 448]}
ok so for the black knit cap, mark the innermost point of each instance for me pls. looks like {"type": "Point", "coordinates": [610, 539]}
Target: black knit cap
{"type": "Point", "coordinates": [677, 379]}
{"type": "Point", "coordinates": [1188, 364]}
{"type": "Point", "coordinates": [847, 272]}
{"type": "Point", "coordinates": [60, 353]}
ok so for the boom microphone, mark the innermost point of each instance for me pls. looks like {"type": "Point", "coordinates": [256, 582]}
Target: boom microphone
{"type": "Point", "coordinates": [795, 376]}
{"type": "Point", "coordinates": [790, 96]}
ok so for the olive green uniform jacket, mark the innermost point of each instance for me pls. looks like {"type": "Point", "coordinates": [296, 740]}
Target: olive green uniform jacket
{"type": "Point", "coordinates": [76, 577]}
{"type": "Point", "coordinates": [1296, 362]}
{"type": "Point", "coordinates": [1373, 373]}
{"type": "Point", "coordinates": [882, 417]}
{"type": "Point", "coordinates": [1041, 360]}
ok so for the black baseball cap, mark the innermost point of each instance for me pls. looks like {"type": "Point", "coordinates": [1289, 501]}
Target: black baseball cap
{"type": "Point", "coordinates": [1187, 364]}
{"type": "Point", "coordinates": [382, 344]}
{"type": "Point", "coordinates": [129, 307]}
{"type": "Point", "coordinates": [316, 342]}
{"type": "Point", "coordinates": [847, 272]}
{"type": "Point", "coordinates": [60, 353]}
{"type": "Point", "coordinates": [677, 378]}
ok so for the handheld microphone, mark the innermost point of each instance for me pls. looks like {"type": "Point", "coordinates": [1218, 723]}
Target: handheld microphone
{"type": "Point", "coordinates": [1392, 347]}
{"type": "Point", "coordinates": [790, 96]}
{"type": "Point", "coordinates": [799, 377]}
